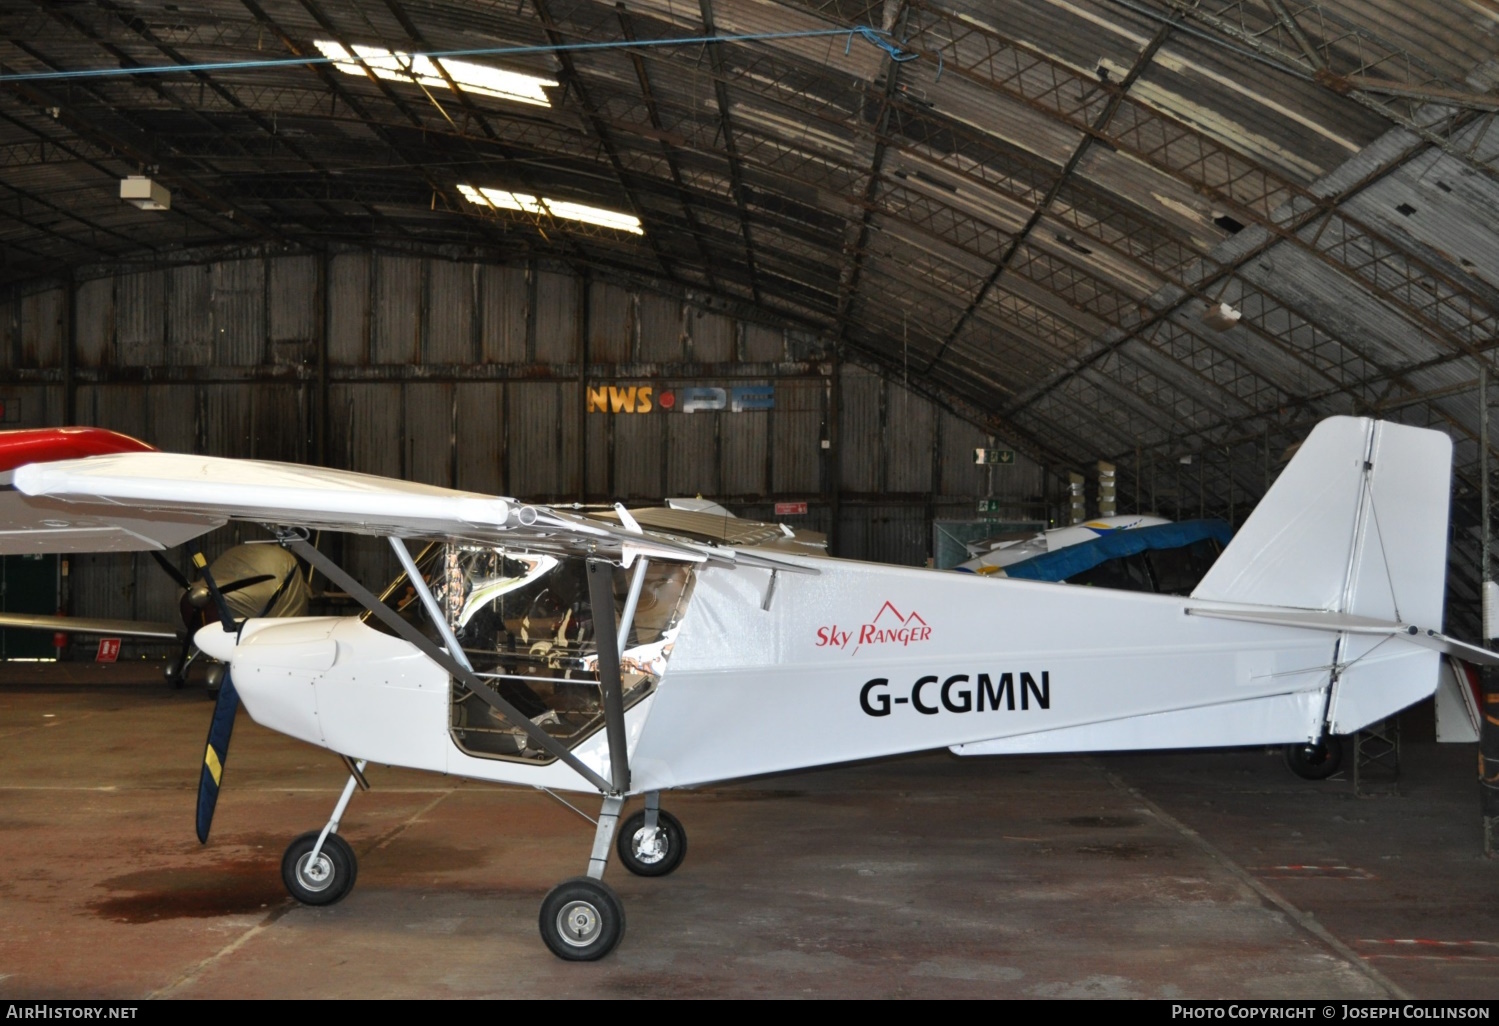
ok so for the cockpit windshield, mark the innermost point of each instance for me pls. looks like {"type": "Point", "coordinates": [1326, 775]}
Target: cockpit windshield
{"type": "Point", "coordinates": [525, 623]}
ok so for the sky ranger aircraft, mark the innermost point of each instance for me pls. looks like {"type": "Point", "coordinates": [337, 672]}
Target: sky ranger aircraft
{"type": "Point", "coordinates": [543, 648]}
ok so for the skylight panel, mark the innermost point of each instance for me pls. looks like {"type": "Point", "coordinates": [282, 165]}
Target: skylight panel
{"type": "Point", "coordinates": [501, 199]}
{"type": "Point", "coordinates": [395, 66]}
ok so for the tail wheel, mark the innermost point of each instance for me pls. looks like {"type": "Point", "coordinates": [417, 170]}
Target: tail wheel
{"type": "Point", "coordinates": [322, 881]}
{"type": "Point", "coordinates": [1316, 761]}
{"type": "Point", "coordinates": [651, 856]}
{"type": "Point", "coordinates": [582, 919]}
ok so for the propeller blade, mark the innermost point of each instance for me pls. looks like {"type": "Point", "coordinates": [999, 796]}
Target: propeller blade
{"type": "Point", "coordinates": [246, 582]}
{"type": "Point", "coordinates": [172, 571]}
{"type": "Point", "coordinates": [225, 616]}
{"type": "Point", "coordinates": [215, 754]}
{"type": "Point", "coordinates": [216, 751]}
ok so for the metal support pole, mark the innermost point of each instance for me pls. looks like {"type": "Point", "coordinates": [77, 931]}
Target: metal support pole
{"type": "Point", "coordinates": [338, 812]}
{"type": "Point", "coordinates": [1488, 745]}
{"type": "Point", "coordinates": [601, 597]}
{"type": "Point", "coordinates": [70, 353]}
{"type": "Point", "coordinates": [632, 600]}
{"type": "Point", "coordinates": [429, 601]}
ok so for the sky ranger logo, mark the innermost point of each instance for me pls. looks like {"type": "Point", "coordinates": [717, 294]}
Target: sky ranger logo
{"type": "Point", "coordinates": [958, 694]}
{"type": "Point", "coordinates": [889, 627]}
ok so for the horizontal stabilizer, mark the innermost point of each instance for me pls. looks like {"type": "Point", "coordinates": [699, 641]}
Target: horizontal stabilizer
{"type": "Point", "coordinates": [1348, 623]}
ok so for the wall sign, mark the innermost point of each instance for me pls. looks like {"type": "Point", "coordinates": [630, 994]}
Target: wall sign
{"type": "Point", "coordinates": [695, 399]}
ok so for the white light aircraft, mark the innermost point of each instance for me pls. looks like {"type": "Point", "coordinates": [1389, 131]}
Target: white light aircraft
{"type": "Point", "coordinates": [564, 652]}
{"type": "Point", "coordinates": [988, 555]}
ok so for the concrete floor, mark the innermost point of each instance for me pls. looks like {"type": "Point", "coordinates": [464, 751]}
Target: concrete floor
{"type": "Point", "coordinates": [1166, 875]}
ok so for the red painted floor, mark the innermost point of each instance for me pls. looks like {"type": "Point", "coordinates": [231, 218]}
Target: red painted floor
{"type": "Point", "coordinates": [1192, 875]}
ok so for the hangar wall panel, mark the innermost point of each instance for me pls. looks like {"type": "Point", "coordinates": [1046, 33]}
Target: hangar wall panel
{"type": "Point", "coordinates": [94, 305]}
{"type": "Point", "coordinates": [140, 302]}
{"type": "Point", "coordinates": [348, 308]}
{"type": "Point", "coordinates": [238, 313]}
{"type": "Point", "coordinates": [40, 329]}
{"type": "Point", "coordinates": [292, 295]}
{"type": "Point", "coordinates": [189, 305]}
{"type": "Point", "coordinates": [397, 334]}
{"type": "Point", "coordinates": [480, 423]}
{"type": "Point", "coordinates": [468, 375]}
{"type": "Point", "coordinates": [449, 334]}
{"type": "Point", "coordinates": [505, 299]}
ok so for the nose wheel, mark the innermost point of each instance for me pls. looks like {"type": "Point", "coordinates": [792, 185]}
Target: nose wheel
{"type": "Point", "coordinates": [319, 877]}
{"type": "Point", "coordinates": [582, 919]}
{"type": "Point", "coordinates": [319, 867]}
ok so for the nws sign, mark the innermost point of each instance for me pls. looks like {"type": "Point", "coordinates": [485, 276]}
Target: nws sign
{"type": "Point", "coordinates": [645, 398]}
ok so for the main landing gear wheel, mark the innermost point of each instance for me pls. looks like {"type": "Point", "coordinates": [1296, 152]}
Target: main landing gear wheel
{"type": "Point", "coordinates": [658, 858]}
{"type": "Point", "coordinates": [582, 919]}
{"type": "Point", "coordinates": [325, 881]}
{"type": "Point", "coordinates": [1316, 761]}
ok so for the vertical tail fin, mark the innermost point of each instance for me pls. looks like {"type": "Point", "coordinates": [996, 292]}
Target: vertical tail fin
{"type": "Point", "coordinates": [1357, 523]}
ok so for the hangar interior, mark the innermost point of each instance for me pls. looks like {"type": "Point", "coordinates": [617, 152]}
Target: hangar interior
{"type": "Point", "coordinates": [454, 241]}
{"type": "Point", "coordinates": [1139, 231]}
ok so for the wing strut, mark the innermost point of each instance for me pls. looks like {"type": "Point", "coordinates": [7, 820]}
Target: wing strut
{"type": "Point", "coordinates": [601, 597]}
{"type": "Point", "coordinates": [406, 631]}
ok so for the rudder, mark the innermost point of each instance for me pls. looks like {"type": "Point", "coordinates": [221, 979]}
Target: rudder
{"type": "Point", "coordinates": [1357, 523]}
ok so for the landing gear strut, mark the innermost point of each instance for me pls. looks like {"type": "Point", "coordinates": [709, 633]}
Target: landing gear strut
{"type": "Point", "coordinates": [319, 867]}
{"type": "Point", "coordinates": [582, 918]}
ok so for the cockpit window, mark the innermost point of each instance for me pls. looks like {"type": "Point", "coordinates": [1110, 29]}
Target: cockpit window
{"type": "Point", "coordinates": [527, 627]}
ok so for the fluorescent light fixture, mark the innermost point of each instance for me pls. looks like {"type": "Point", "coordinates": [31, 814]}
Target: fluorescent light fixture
{"type": "Point", "coordinates": [404, 67]}
{"type": "Point", "coordinates": [500, 199]}
{"type": "Point", "coordinates": [144, 193]}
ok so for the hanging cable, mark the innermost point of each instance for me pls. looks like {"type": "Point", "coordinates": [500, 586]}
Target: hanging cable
{"type": "Point", "coordinates": [876, 37]}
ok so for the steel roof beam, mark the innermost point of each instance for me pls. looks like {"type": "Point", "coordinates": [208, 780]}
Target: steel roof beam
{"type": "Point", "coordinates": [166, 170]}
{"type": "Point", "coordinates": [23, 195]}
{"type": "Point", "coordinates": [127, 20]}
{"type": "Point", "coordinates": [726, 127]}
{"type": "Point", "coordinates": [600, 130]}
{"type": "Point", "coordinates": [642, 75]}
{"type": "Point", "coordinates": [1101, 122]}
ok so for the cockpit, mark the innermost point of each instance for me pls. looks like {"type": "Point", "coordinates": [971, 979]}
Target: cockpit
{"type": "Point", "coordinates": [525, 624]}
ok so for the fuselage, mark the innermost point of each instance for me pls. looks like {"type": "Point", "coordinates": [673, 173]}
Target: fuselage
{"type": "Point", "coordinates": [855, 661]}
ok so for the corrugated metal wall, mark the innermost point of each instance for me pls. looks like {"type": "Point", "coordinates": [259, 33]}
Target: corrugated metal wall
{"type": "Point", "coordinates": [469, 376]}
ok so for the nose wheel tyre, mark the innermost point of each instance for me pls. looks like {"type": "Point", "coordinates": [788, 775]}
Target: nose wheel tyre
{"type": "Point", "coordinates": [582, 919]}
{"type": "Point", "coordinates": [323, 881]}
{"type": "Point", "coordinates": [1316, 761]}
{"type": "Point", "coordinates": [657, 857]}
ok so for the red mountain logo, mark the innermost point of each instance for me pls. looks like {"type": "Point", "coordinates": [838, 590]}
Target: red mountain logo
{"type": "Point", "coordinates": [889, 626]}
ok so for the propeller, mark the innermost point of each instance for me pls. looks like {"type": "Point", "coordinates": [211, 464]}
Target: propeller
{"type": "Point", "coordinates": [221, 726]}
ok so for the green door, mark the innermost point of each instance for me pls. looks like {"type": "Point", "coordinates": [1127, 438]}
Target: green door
{"type": "Point", "coordinates": [28, 584]}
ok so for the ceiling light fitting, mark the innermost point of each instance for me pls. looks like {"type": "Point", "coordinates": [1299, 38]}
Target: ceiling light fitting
{"type": "Point", "coordinates": [140, 191]}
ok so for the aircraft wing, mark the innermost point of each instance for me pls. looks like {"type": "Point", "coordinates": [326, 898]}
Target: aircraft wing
{"type": "Point", "coordinates": [86, 625]}
{"type": "Point", "coordinates": [31, 525]}
{"type": "Point", "coordinates": [172, 486]}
